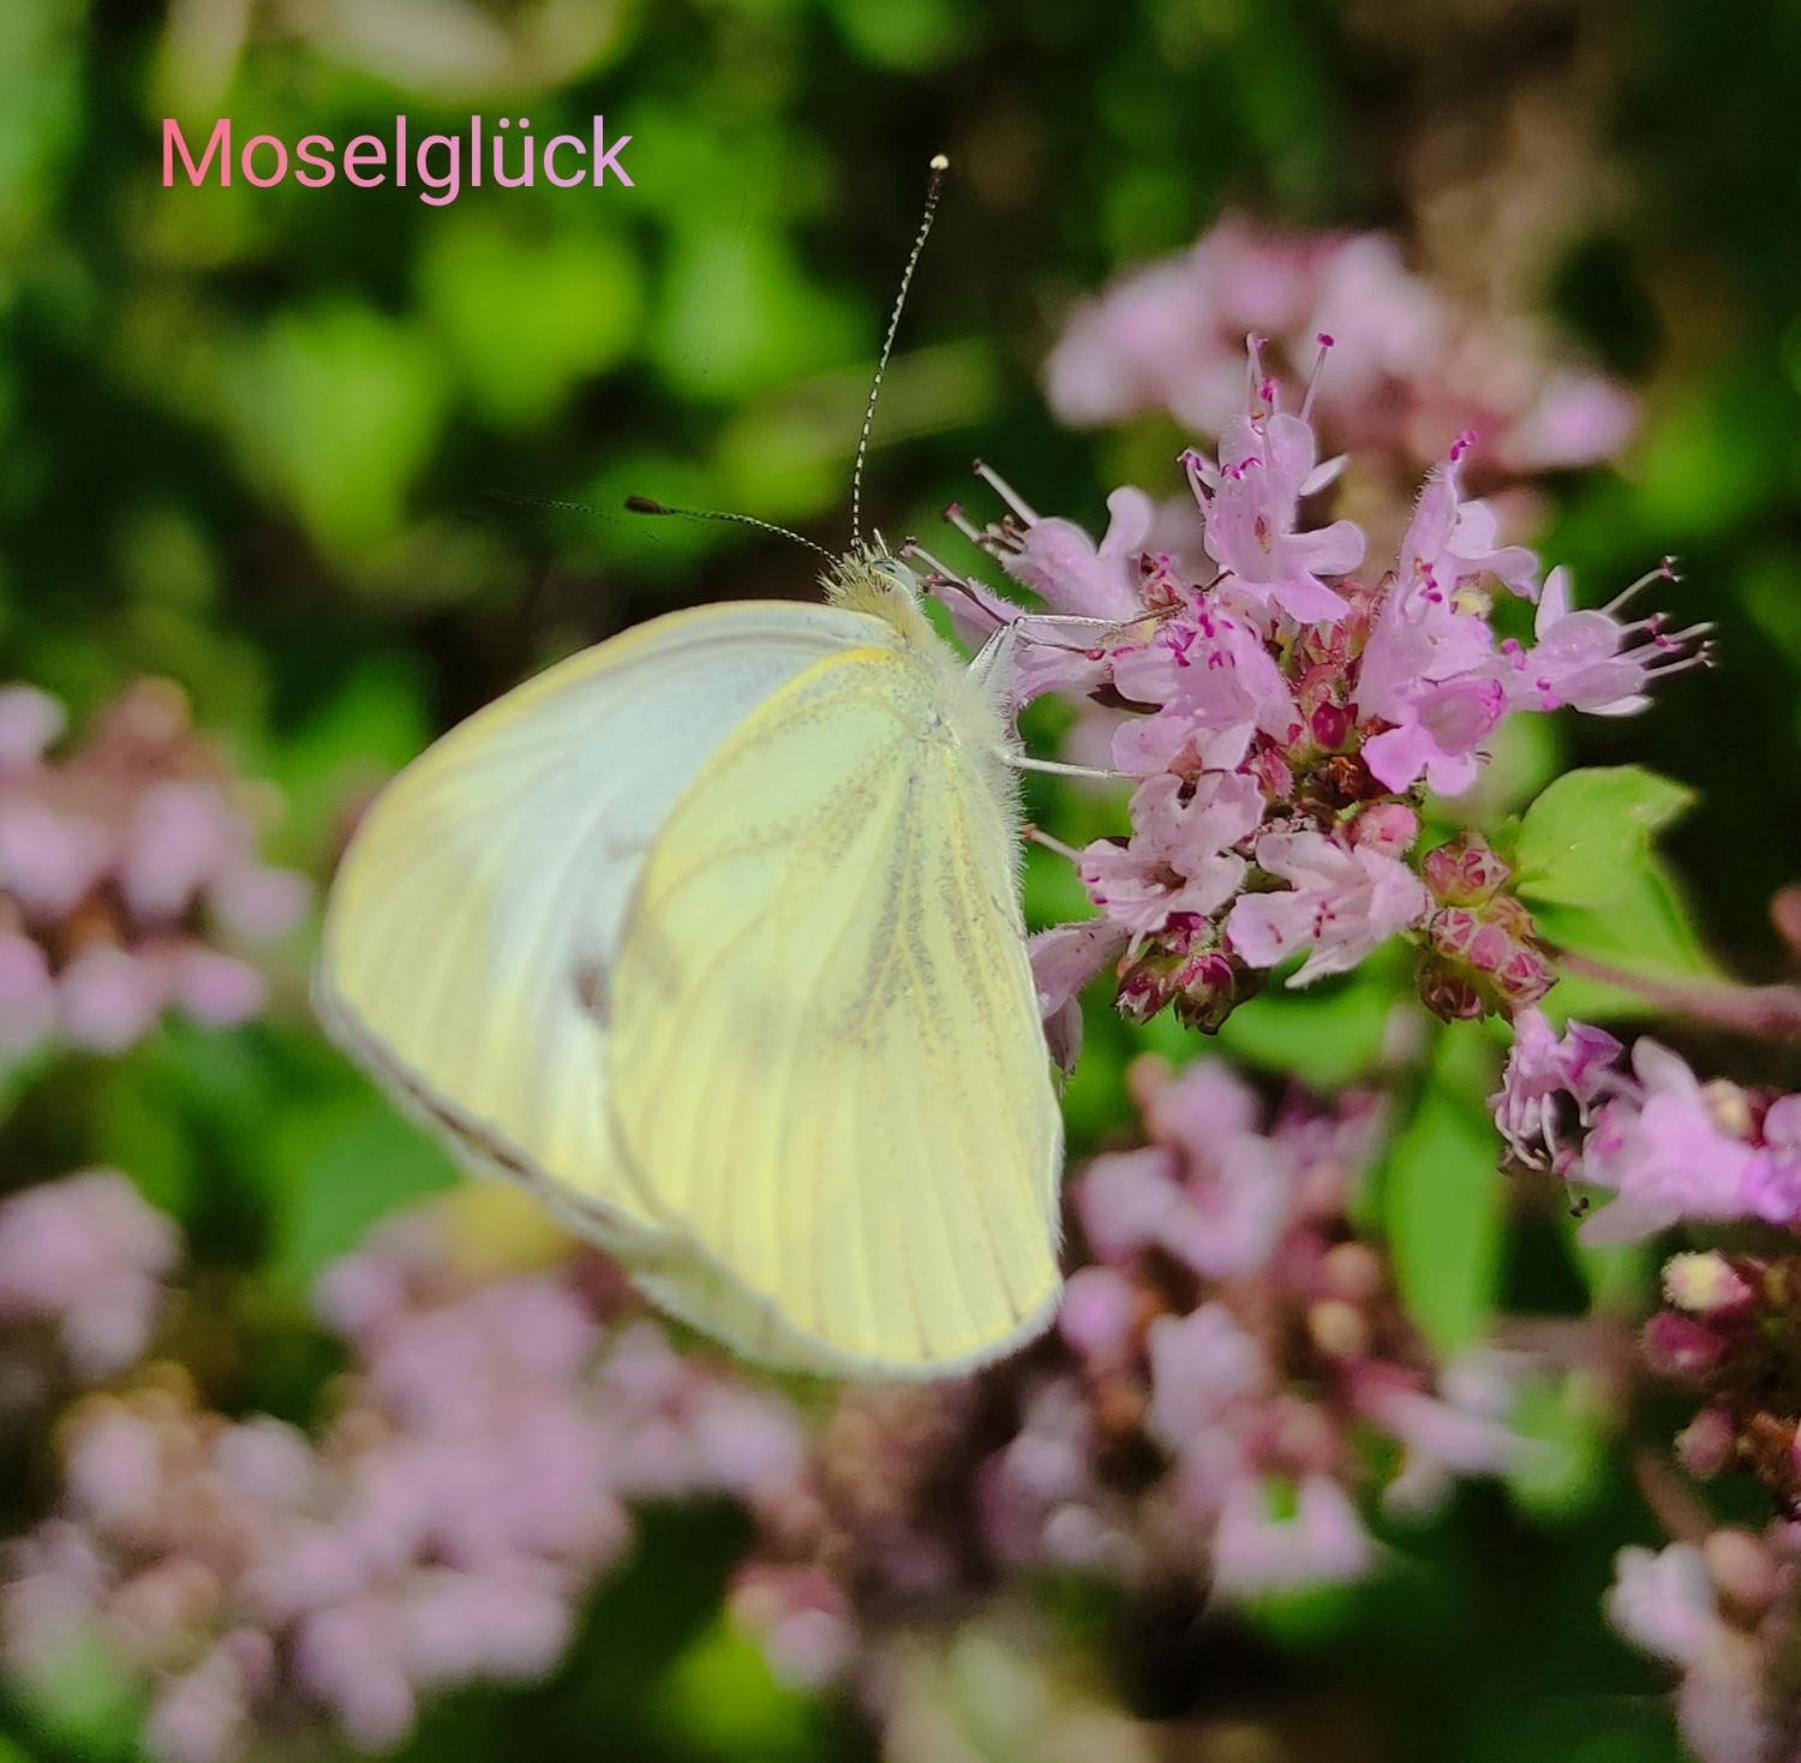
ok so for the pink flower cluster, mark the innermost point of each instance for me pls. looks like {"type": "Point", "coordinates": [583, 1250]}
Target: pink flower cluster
{"type": "Point", "coordinates": [1669, 1147]}
{"type": "Point", "coordinates": [1169, 336]}
{"type": "Point", "coordinates": [1204, 1412]}
{"type": "Point", "coordinates": [123, 864]}
{"type": "Point", "coordinates": [1722, 1610]}
{"type": "Point", "coordinates": [1285, 720]}
{"type": "Point", "coordinates": [82, 1262]}
{"type": "Point", "coordinates": [1237, 1332]}
{"type": "Point", "coordinates": [1674, 1150]}
{"type": "Point", "coordinates": [470, 1485]}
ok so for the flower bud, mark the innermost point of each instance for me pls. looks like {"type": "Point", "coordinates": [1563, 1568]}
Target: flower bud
{"type": "Point", "coordinates": [1706, 1284]}
{"type": "Point", "coordinates": [1389, 827]}
{"type": "Point", "coordinates": [1678, 1346]}
{"type": "Point", "coordinates": [1524, 977]}
{"type": "Point", "coordinates": [1465, 871]}
{"type": "Point", "coordinates": [1208, 989]}
{"type": "Point", "coordinates": [1453, 931]}
{"type": "Point", "coordinates": [1449, 992]}
{"type": "Point", "coordinates": [1743, 1569]}
{"type": "Point", "coordinates": [1329, 724]}
{"type": "Point", "coordinates": [1708, 1444]}
{"type": "Point", "coordinates": [1338, 1329]}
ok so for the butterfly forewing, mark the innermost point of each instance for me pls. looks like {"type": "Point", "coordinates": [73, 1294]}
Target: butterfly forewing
{"type": "Point", "coordinates": [474, 924]}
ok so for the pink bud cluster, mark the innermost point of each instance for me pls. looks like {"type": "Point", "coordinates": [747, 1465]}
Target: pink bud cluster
{"type": "Point", "coordinates": [1282, 720]}
{"type": "Point", "coordinates": [472, 1479]}
{"type": "Point", "coordinates": [125, 864]}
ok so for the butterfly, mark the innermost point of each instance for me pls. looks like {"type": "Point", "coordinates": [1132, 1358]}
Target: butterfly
{"type": "Point", "coordinates": [711, 936]}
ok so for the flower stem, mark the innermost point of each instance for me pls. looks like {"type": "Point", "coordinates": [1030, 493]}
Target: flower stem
{"type": "Point", "coordinates": [1765, 1013]}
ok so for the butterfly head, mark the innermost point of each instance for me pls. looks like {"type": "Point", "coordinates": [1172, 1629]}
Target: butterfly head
{"type": "Point", "coordinates": [869, 578]}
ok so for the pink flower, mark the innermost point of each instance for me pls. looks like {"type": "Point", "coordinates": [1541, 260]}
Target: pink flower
{"type": "Point", "coordinates": [1342, 903]}
{"type": "Point", "coordinates": [1323, 1543]}
{"type": "Point", "coordinates": [1098, 1312]}
{"type": "Point", "coordinates": [181, 834]}
{"type": "Point", "coordinates": [1774, 1186]}
{"type": "Point", "coordinates": [1577, 419]}
{"type": "Point", "coordinates": [30, 721]}
{"type": "Point", "coordinates": [1664, 1154]}
{"type": "Point", "coordinates": [1664, 1602]}
{"type": "Point", "coordinates": [110, 998]}
{"type": "Point", "coordinates": [1589, 660]}
{"type": "Point", "coordinates": [1450, 543]}
{"type": "Point", "coordinates": [1063, 566]}
{"type": "Point", "coordinates": [1541, 1068]}
{"type": "Point", "coordinates": [1250, 500]}
{"type": "Point", "coordinates": [1200, 1365]}
{"type": "Point", "coordinates": [28, 1007]}
{"type": "Point", "coordinates": [1214, 675]}
{"type": "Point", "coordinates": [1180, 857]}
{"type": "Point", "coordinates": [1064, 959]}
{"type": "Point", "coordinates": [1440, 731]}
{"type": "Point", "coordinates": [49, 860]}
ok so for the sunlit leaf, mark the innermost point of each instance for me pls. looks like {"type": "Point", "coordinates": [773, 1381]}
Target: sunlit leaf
{"type": "Point", "coordinates": [1587, 838]}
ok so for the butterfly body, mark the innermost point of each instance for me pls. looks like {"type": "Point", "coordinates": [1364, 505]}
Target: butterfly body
{"type": "Point", "coordinates": [711, 935]}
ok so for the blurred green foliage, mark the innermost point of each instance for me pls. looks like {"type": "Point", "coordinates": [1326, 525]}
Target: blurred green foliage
{"type": "Point", "coordinates": [251, 438]}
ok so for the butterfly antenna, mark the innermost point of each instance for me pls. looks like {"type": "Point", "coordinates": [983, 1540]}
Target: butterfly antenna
{"type": "Point", "coordinates": [940, 165]}
{"type": "Point", "coordinates": [644, 505]}
{"type": "Point", "coordinates": [516, 501]}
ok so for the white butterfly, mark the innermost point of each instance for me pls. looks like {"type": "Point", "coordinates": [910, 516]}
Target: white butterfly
{"type": "Point", "coordinates": [711, 935]}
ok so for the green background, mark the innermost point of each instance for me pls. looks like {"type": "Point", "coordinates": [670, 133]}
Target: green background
{"type": "Point", "coordinates": [265, 441]}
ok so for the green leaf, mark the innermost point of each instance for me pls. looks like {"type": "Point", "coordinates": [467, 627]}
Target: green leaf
{"type": "Point", "coordinates": [344, 1167]}
{"type": "Point", "coordinates": [339, 408]}
{"type": "Point", "coordinates": [573, 304]}
{"type": "Point", "coordinates": [1587, 838]}
{"type": "Point", "coordinates": [1645, 930]}
{"type": "Point", "coordinates": [1443, 1200]}
{"type": "Point", "coordinates": [1562, 1471]}
{"type": "Point", "coordinates": [722, 1699]}
{"type": "Point", "coordinates": [1327, 1037]}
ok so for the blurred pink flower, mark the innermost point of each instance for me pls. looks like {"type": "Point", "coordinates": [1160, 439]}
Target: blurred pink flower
{"type": "Point", "coordinates": [88, 1256]}
{"type": "Point", "coordinates": [1408, 357]}
{"type": "Point", "coordinates": [122, 862]}
{"type": "Point", "coordinates": [1661, 1148]}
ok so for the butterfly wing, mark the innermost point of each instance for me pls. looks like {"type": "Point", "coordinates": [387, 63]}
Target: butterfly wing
{"type": "Point", "coordinates": [474, 924]}
{"type": "Point", "coordinates": [826, 1068]}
